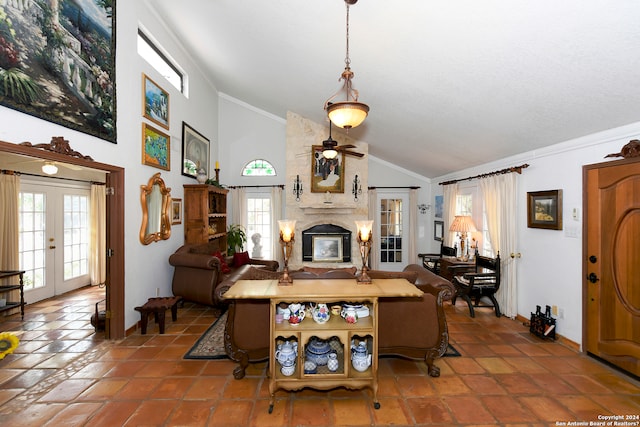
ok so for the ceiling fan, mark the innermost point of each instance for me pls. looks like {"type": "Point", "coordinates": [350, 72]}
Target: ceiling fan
{"type": "Point", "coordinates": [330, 147]}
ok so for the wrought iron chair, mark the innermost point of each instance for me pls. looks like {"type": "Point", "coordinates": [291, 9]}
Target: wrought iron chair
{"type": "Point", "coordinates": [481, 280]}
{"type": "Point", "coordinates": [432, 261]}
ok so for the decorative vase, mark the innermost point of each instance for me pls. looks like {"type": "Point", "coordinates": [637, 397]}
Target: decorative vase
{"type": "Point", "coordinates": [201, 176]}
{"type": "Point", "coordinates": [333, 364]}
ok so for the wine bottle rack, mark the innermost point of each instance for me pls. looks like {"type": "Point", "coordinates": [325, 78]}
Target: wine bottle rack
{"type": "Point", "coordinates": [542, 324]}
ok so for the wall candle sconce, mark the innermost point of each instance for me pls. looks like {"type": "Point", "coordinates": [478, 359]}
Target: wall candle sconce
{"type": "Point", "coordinates": [365, 237]}
{"type": "Point", "coordinates": [356, 188]}
{"type": "Point", "coordinates": [423, 208]}
{"type": "Point", "coordinates": [287, 233]}
{"type": "Point", "coordinates": [297, 188]}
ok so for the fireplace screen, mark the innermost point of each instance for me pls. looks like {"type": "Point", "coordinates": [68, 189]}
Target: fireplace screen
{"type": "Point", "coordinates": [327, 248]}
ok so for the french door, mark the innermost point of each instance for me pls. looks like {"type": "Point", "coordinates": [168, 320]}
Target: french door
{"type": "Point", "coordinates": [53, 238]}
{"type": "Point", "coordinates": [393, 231]}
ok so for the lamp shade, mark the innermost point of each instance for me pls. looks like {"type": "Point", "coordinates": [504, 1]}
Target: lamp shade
{"type": "Point", "coordinates": [287, 228]}
{"type": "Point", "coordinates": [347, 114]}
{"type": "Point", "coordinates": [463, 224]}
{"type": "Point", "coordinates": [364, 229]}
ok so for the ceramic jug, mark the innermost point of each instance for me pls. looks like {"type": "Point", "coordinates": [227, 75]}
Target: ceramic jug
{"type": "Point", "coordinates": [360, 357]}
{"type": "Point", "coordinates": [320, 313]}
{"type": "Point", "coordinates": [350, 315]}
{"type": "Point", "coordinates": [287, 353]}
{"type": "Point", "coordinates": [297, 313]}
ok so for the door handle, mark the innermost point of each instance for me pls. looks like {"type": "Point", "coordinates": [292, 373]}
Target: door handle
{"type": "Point", "coordinates": [52, 247]}
{"type": "Point", "coordinates": [592, 277]}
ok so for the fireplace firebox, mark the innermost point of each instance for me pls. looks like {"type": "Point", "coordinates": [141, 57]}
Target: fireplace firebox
{"type": "Point", "coordinates": [326, 243]}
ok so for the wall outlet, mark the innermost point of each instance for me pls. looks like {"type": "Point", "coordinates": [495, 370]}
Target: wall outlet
{"type": "Point", "coordinates": [561, 313]}
{"type": "Point", "coordinates": [157, 292]}
{"type": "Point", "coordinates": [554, 310]}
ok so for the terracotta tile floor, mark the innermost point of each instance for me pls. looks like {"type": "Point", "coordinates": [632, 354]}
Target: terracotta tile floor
{"type": "Point", "coordinates": [65, 374]}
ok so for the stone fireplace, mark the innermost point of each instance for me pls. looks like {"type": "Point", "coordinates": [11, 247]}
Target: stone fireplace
{"type": "Point", "coordinates": [314, 211]}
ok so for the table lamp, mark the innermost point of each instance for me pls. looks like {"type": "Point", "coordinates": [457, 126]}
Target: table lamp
{"type": "Point", "coordinates": [364, 237]}
{"type": "Point", "coordinates": [463, 224]}
{"type": "Point", "coordinates": [287, 228]}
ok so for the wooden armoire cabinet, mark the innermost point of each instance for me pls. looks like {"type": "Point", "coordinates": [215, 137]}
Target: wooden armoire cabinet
{"type": "Point", "coordinates": [205, 215]}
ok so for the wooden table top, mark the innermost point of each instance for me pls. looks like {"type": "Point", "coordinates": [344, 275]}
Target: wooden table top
{"type": "Point", "coordinates": [322, 288]}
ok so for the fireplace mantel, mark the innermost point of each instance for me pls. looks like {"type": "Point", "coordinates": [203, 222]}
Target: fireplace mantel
{"type": "Point", "coordinates": [328, 208]}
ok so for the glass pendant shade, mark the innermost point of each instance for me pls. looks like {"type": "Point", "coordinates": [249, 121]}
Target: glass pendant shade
{"type": "Point", "coordinates": [347, 114]}
{"type": "Point", "coordinates": [49, 168]}
{"type": "Point", "coordinates": [329, 154]}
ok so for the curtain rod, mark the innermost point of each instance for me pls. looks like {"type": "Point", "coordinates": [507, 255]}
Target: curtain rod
{"type": "Point", "coordinates": [51, 177]}
{"type": "Point", "coordinates": [411, 188]}
{"type": "Point", "coordinates": [256, 186]}
{"type": "Point", "coordinates": [517, 169]}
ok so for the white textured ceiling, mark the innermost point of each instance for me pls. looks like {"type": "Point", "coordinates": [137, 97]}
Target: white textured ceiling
{"type": "Point", "coordinates": [450, 84]}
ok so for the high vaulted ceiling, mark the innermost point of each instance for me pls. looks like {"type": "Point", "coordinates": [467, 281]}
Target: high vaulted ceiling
{"type": "Point", "coordinates": [450, 84]}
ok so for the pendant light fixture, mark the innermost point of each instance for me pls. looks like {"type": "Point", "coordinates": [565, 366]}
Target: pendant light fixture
{"type": "Point", "coordinates": [350, 113]}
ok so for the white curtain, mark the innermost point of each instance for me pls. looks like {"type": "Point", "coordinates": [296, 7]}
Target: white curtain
{"type": "Point", "coordinates": [499, 194]}
{"type": "Point", "coordinates": [276, 214]}
{"type": "Point", "coordinates": [374, 256]}
{"type": "Point", "coordinates": [98, 241]}
{"type": "Point", "coordinates": [449, 212]}
{"type": "Point", "coordinates": [413, 225]}
{"type": "Point", "coordinates": [9, 225]}
{"type": "Point", "coordinates": [238, 207]}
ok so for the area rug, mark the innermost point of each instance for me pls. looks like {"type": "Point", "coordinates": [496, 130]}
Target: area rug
{"type": "Point", "coordinates": [211, 344]}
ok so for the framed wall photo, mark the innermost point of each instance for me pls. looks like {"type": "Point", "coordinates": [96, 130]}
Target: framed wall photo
{"type": "Point", "coordinates": [155, 102]}
{"type": "Point", "coordinates": [176, 211]}
{"type": "Point", "coordinates": [544, 209]}
{"type": "Point", "coordinates": [195, 151]}
{"type": "Point", "coordinates": [156, 148]}
{"type": "Point", "coordinates": [438, 230]}
{"type": "Point", "coordinates": [327, 248]}
{"type": "Point", "coordinates": [58, 63]}
{"type": "Point", "coordinates": [439, 206]}
{"type": "Point", "coordinates": [327, 175]}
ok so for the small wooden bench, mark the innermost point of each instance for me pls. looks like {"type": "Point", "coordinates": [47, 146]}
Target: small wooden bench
{"type": "Point", "coordinates": [158, 306]}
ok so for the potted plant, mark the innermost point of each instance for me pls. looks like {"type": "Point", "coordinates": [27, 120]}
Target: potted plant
{"type": "Point", "coordinates": [236, 238]}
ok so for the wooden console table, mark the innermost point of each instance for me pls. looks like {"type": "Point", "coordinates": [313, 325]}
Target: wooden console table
{"type": "Point", "coordinates": [338, 332]}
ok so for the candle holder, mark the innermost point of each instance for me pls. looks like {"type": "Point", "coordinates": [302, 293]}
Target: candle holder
{"type": "Point", "coordinates": [364, 238]}
{"type": "Point", "coordinates": [287, 233]}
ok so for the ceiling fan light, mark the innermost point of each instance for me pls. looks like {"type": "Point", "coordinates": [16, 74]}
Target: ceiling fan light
{"type": "Point", "coordinates": [329, 153]}
{"type": "Point", "coordinates": [49, 168]}
{"type": "Point", "coordinates": [347, 114]}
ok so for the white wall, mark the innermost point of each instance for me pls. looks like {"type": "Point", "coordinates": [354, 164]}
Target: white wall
{"type": "Point", "coordinates": [550, 270]}
{"type": "Point", "coordinates": [146, 267]}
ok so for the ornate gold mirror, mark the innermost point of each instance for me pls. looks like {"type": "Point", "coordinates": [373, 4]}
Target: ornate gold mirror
{"type": "Point", "coordinates": [155, 198]}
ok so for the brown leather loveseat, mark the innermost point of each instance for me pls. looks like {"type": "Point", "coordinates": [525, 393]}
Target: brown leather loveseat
{"type": "Point", "coordinates": [414, 328]}
{"type": "Point", "coordinates": [198, 274]}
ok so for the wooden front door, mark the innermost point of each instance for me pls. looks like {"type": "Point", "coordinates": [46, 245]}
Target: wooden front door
{"type": "Point", "coordinates": [611, 263]}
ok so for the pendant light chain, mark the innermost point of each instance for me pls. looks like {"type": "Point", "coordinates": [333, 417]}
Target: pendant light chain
{"type": "Point", "coordinates": [347, 60]}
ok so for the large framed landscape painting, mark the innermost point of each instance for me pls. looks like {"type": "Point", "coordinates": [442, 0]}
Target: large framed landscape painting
{"type": "Point", "coordinates": [57, 62]}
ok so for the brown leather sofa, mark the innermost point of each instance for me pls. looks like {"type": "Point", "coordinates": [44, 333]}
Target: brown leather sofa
{"type": "Point", "coordinates": [414, 328]}
{"type": "Point", "coordinates": [198, 276]}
